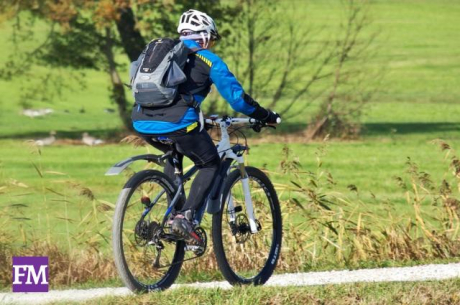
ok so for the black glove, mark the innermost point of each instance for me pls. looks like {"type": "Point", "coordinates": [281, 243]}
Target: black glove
{"type": "Point", "coordinates": [272, 118]}
{"type": "Point", "coordinates": [266, 116]}
{"type": "Point", "coordinates": [261, 114]}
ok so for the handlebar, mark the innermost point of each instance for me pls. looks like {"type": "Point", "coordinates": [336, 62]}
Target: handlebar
{"type": "Point", "coordinates": [233, 121]}
{"type": "Point", "coordinates": [256, 125]}
{"type": "Point", "coordinates": [236, 121]}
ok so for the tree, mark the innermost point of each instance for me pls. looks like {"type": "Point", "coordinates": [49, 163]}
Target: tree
{"type": "Point", "coordinates": [89, 34]}
{"type": "Point", "coordinates": [271, 54]}
{"type": "Point", "coordinates": [353, 84]}
{"type": "Point", "coordinates": [279, 59]}
{"type": "Point", "coordinates": [274, 58]}
{"type": "Point", "coordinates": [81, 36]}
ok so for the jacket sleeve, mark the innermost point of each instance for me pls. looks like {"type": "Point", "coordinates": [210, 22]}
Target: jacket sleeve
{"type": "Point", "coordinates": [229, 87]}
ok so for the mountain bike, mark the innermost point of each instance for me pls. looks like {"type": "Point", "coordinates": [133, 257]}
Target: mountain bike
{"type": "Point", "coordinates": [246, 218]}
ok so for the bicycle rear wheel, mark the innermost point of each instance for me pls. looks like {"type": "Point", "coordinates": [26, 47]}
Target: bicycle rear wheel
{"type": "Point", "coordinates": [242, 256]}
{"type": "Point", "coordinates": [136, 254]}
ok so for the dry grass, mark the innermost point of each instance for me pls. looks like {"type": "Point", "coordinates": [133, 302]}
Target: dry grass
{"type": "Point", "coordinates": [347, 230]}
{"type": "Point", "coordinates": [134, 141]}
{"type": "Point", "coordinates": [65, 268]}
{"type": "Point", "coordinates": [321, 226]}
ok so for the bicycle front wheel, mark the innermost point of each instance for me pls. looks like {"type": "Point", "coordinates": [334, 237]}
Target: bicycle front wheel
{"type": "Point", "coordinates": [242, 256]}
{"type": "Point", "coordinates": [144, 261]}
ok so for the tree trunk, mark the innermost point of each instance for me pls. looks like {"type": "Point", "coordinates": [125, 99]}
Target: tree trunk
{"type": "Point", "coordinates": [251, 46]}
{"type": "Point", "coordinates": [118, 90]}
{"type": "Point", "coordinates": [131, 39]}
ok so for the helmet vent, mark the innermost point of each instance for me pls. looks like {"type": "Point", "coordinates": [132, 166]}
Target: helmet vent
{"type": "Point", "coordinates": [197, 22]}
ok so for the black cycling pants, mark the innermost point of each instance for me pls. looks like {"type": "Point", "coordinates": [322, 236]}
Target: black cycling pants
{"type": "Point", "coordinates": [198, 147]}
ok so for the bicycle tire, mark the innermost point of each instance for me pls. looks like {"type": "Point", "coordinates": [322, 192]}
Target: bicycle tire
{"type": "Point", "coordinates": [124, 271]}
{"type": "Point", "coordinates": [269, 266]}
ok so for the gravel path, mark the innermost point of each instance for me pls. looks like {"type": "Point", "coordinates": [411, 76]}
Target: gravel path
{"type": "Point", "coordinates": [417, 273]}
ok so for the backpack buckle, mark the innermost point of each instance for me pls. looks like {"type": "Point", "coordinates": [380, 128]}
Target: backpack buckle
{"type": "Point", "coordinates": [190, 101]}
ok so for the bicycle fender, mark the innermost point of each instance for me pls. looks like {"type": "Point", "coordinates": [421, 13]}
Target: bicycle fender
{"type": "Point", "coordinates": [122, 165]}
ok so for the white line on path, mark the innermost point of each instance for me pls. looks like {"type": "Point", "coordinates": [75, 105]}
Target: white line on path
{"type": "Point", "coordinates": [399, 274]}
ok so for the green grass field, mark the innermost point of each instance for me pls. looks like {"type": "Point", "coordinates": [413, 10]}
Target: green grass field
{"type": "Point", "coordinates": [419, 102]}
{"type": "Point", "coordinates": [441, 292]}
{"type": "Point", "coordinates": [372, 172]}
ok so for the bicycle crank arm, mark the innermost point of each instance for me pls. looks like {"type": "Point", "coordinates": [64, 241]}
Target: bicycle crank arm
{"type": "Point", "coordinates": [194, 249]}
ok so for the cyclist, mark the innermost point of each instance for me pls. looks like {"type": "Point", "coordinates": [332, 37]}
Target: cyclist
{"type": "Point", "coordinates": [179, 124]}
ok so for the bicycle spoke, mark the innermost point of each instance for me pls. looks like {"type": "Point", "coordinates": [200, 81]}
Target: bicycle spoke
{"type": "Point", "coordinates": [250, 257]}
{"type": "Point", "coordinates": [243, 256]}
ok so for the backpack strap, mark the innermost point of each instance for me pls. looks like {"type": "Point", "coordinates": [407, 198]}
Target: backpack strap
{"type": "Point", "coordinates": [189, 99]}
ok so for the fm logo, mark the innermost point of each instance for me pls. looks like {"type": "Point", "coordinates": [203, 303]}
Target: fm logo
{"type": "Point", "coordinates": [30, 274]}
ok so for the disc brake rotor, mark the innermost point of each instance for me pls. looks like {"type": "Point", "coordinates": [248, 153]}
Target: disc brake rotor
{"type": "Point", "coordinates": [243, 229]}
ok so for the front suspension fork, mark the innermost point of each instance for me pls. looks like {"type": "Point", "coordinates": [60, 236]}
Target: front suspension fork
{"type": "Point", "coordinates": [247, 198]}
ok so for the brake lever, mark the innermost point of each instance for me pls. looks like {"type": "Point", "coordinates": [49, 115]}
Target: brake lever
{"type": "Point", "coordinates": [256, 127]}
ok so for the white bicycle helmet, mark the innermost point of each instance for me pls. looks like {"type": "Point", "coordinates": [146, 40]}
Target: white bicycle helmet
{"type": "Point", "coordinates": [194, 22]}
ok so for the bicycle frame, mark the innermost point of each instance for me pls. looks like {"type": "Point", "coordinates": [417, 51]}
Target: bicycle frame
{"type": "Point", "coordinates": [228, 154]}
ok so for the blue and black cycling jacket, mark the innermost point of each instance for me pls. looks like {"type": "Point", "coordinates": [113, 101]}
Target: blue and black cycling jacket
{"type": "Point", "coordinates": [203, 68]}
